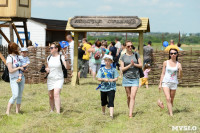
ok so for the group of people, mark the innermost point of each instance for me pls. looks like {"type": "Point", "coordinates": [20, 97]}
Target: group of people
{"type": "Point", "coordinates": [102, 59]}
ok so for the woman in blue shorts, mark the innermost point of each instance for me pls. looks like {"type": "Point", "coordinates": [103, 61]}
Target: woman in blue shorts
{"type": "Point", "coordinates": [131, 74]}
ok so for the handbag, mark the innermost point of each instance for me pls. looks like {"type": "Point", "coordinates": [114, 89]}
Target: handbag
{"type": "Point", "coordinates": [63, 68]}
{"type": "Point", "coordinates": [5, 75]}
{"type": "Point", "coordinates": [140, 69]}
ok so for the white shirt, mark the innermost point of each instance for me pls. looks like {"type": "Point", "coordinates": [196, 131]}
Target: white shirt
{"type": "Point", "coordinates": [118, 45]}
{"type": "Point", "coordinates": [71, 48]}
{"type": "Point", "coordinates": [15, 63]}
{"type": "Point", "coordinates": [171, 74]}
{"type": "Point", "coordinates": [55, 67]}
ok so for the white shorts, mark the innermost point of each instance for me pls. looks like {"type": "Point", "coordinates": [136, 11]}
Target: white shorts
{"type": "Point", "coordinates": [95, 67]}
{"type": "Point", "coordinates": [171, 86]}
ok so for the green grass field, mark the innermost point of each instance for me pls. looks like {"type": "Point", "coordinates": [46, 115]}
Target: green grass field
{"type": "Point", "coordinates": [81, 111]}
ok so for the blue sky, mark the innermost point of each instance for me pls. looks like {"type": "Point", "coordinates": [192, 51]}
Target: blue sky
{"type": "Point", "coordinates": [165, 15]}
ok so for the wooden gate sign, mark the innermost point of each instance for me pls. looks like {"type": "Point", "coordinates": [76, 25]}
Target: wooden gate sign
{"type": "Point", "coordinates": [106, 22]}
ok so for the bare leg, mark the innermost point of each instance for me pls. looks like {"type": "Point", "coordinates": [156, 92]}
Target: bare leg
{"type": "Point", "coordinates": [51, 99]}
{"type": "Point", "coordinates": [8, 108]}
{"type": "Point", "coordinates": [172, 95]}
{"type": "Point", "coordinates": [57, 100]}
{"type": "Point", "coordinates": [111, 111]}
{"type": "Point", "coordinates": [168, 98]}
{"type": "Point", "coordinates": [147, 86]}
{"type": "Point", "coordinates": [128, 93]}
{"type": "Point", "coordinates": [132, 100]}
{"type": "Point", "coordinates": [103, 110]}
{"type": "Point", "coordinates": [94, 75]}
{"type": "Point", "coordinates": [18, 108]}
{"type": "Point", "coordinates": [79, 75]}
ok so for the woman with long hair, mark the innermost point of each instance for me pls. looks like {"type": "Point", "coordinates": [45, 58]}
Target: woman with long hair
{"type": "Point", "coordinates": [13, 64]}
{"type": "Point", "coordinates": [169, 81]}
{"type": "Point", "coordinates": [131, 74]}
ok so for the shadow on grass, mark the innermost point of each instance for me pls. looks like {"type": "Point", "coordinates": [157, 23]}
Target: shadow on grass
{"type": "Point", "coordinates": [181, 110]}
{"type": "Point", "coordinates": [89, 83]}
{"type": "Point", "coordinates": [68, 112]}
{"type": "Point", "coordinates": [138, 113]}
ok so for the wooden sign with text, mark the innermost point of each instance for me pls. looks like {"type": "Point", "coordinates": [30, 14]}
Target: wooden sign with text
{"type": "Point", "coordinates": [105, 22]}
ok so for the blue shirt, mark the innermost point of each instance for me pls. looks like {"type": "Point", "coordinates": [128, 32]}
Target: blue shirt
{"type": "Point", "coordinates": [109, 74]}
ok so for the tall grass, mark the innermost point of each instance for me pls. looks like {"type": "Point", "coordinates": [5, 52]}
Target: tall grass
{"type": "Point", "coordinates": [81, 111]}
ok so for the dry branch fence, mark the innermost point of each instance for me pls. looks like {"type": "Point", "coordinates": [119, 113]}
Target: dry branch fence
{"type": "Point", "coordinates": [190, 61]}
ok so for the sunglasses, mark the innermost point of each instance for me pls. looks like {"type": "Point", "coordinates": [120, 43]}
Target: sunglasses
{"type": "Point", "coordinates": [51, 48]}
{"type": "Point", "coordinates": [173, 53]}
{"type": "Point", "coordinates": [129, 46]}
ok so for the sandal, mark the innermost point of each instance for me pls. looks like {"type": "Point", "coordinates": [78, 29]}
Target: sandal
{"type": "Point", "coordinates": [160, 104]}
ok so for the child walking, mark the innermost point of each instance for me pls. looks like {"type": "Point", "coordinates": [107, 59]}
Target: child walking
{"type": "Point", "coordinates": [144, 80]}
{"type": "Point", "coordinates": [108, 76]}
{"type": "Point", "coordinates": [24, 61]}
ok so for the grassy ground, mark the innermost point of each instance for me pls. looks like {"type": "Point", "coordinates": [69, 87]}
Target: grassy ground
{"type": "Point", "coordinates": [81, 111]}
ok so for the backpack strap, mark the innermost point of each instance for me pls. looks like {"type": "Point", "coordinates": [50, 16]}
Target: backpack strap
{"type": "Point", "coordinates": [49, 57]}
{"type": "Point", "coordinates": [12, 59]}
{"type": "Point", "coordinates": [61, 60]}
{"type": "Point", "coordinates": [136, 57]}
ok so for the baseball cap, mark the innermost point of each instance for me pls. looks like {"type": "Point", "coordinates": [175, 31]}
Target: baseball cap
{"type": "Point", "coordinates": [24, 49]}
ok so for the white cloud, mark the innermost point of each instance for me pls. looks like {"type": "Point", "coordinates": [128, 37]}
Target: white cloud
{"type": "Point", "coordinates": [104, 8]}
{"type": "Point", "coordinates": [174, 5]}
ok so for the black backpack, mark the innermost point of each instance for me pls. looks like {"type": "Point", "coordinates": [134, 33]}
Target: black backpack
{"type": "Point", "coordinates": [5, 75]}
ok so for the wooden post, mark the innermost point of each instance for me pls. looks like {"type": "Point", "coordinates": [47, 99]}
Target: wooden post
{"type": "Point", "coordinates": [16, 32]}
{"type": "Point", "coordinates": [141, 46]}
{"type": "Point", "coordinates": [75, 79]}
{"type": "Point", "coordinates": [2, 58]}
{"type": "Point", "coordinates": [4, 36]}
{"type": "Point", "coordinates": [11, 32]}
{"type": "Point", "coordinates": [26, 32]}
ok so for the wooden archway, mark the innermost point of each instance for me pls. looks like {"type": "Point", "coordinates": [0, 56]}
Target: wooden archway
{"type": "Point", "coordinates": [105, 24]}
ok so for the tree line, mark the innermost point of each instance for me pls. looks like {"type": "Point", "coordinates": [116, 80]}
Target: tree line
{"type": "Point", "coordinates": [154, 37]}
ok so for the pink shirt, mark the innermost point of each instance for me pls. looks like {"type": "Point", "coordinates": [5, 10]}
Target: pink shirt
{"type": "Point", "coordinates": [146, 73]}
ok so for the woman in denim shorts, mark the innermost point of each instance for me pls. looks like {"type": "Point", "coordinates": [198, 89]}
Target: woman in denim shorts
{"type": "Point", "coordinates": [169, 80]}
{"type": "Point", "coordinates": [13, 64]}
{"type": "Point", "coordinates": [131, 75]}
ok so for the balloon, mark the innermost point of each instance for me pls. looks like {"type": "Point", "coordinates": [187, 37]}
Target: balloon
{"type": "Point", "coordinates": [165, 44]}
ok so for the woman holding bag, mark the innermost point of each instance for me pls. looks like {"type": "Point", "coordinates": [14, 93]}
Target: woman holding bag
{"type": "Point", "coordinates": [169, 81]}
{"type": "Point", "coordinates": [55, 77]}
{"type": "Point", "coordinates": [130, 64]}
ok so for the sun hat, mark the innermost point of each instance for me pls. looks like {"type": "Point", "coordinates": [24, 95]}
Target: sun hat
{"type": "Point", "coordinates": [108, 57]}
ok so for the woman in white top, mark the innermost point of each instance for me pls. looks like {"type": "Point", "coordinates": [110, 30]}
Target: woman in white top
{"type": "Point", "coordinates": [55, 77]}
{"type": "Point", "coordinates": [13, 64]}
{"type": "Point", "coordinates": [169, 80]}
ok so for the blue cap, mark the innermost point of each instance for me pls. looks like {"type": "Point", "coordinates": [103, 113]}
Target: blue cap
{"type": "Point", "coordinates": [64, 44]}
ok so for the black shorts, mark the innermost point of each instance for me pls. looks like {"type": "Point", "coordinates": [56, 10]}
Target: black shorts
{"type": "Point", "coordinates": [110, 95]}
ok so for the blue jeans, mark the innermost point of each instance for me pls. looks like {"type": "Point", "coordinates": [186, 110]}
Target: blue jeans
{"type": "Point", "coordinates": [17, 90]}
